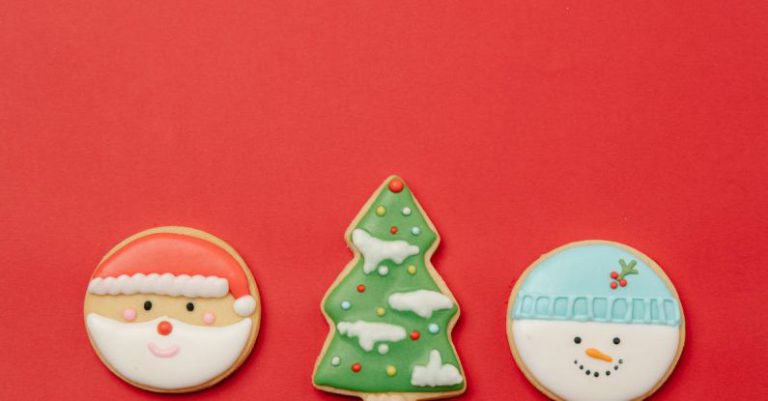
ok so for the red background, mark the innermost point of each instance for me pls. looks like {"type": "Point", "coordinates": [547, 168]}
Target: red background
{"type": "Point", "coordinates": [519, 125]}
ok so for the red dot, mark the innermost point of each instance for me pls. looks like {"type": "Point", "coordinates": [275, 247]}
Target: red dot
{"type": "Point", "coordinates": [415, 335]}
{"type": "Point", "coordinates": [361, 288]}
{"type": "Point", "coordinates": [614, 275]}
{"type": "Point", "coordinates": [623, 283]}
{"type": "Point", "coordinates": [614, 285]}
{"type": "Point", "coordinates": [356, 367]}
{"type": "Point", "coordinates": [393, 230]}
{"type": "Point", "coordinates": [164, 328]}
{"type": "Point", "coordinates": [395, 185]}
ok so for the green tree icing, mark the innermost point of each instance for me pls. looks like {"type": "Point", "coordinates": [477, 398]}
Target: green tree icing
{"type": "Point", "coordinates": [346, 303]}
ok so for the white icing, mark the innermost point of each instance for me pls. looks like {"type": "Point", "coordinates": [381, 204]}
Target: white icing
{"type": "Point", "coordinates": [548, 351]}
{"type": "Point", "coordinates": [192, 355]}
{"type": "Point", "coordinates": [383, 270]}
{"type": "Point", "coordinates": [368, 333]}
{"type": "Point", "coordinates": [196, 286]}
{"type": "Point", "coordinates": [383, 349]}
{"type": "Point", "coordinates": [375, 250]}
{"type": "Point", "coordinates": [245, 305]}
{"type": "Point", "coordinates": [336, 361]}
{"type": "Point", "coordinates": [420, 302]}
{"type": "Point", "coordinates": [435, 373]}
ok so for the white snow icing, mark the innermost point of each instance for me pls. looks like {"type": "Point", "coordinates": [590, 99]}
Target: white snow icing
{"type": "Point", "coordinates": [435, 373]}
{"type": "Point", "coordinates": [196, 286]}
{"type": "Point", "coordinates": [420, 302]}
{"type": "Point", "coordinates": [375, 250]}
{"type": "Point", "coordinates": [369, 334]}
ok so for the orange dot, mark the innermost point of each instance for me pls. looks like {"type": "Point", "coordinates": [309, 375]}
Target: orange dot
{"type": "Point", "coordinates": [395, 185]}
{"type": "Point", "coordinates": [361, 288]}
{"type": "Point", "coordinates": [415, 335]}
{"type": "Point", "coordinates": [356, 367]}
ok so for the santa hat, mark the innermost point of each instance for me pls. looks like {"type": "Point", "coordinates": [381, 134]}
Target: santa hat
{"type": "Point", "coordinates": [175, 265]}
{"type": "Point", "coordinates": [597, 281]}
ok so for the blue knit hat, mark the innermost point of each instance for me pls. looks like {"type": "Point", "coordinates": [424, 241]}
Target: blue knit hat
{"type": "Point", "coordinates": [596, 281]}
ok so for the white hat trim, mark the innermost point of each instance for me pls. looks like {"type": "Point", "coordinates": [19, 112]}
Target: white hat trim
{"type": "Point", "coordinates": [196, 286]}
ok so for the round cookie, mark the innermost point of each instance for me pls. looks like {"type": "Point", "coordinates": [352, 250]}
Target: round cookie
{"type": "Point", "coordinates": [597, 321]}
{"type": "Point", "coordinates": [390, 313]}
{"type": "Point", "coordinates": [172, 310]}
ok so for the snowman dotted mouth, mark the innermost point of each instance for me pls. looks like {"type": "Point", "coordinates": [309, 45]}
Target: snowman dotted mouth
{"type": "Point", "coordinates": [596, 373]}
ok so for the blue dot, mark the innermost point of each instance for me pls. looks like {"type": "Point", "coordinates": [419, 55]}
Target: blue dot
{"type": "Point", "coordinates": [433, 328]}
{"type": "Point", "coordinates": [345, 305]}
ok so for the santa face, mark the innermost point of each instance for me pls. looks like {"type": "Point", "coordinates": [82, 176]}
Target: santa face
{"type": "Point", "coordinates": [595, 361]}
{"type": "Point", "coordinates": [167, 343]}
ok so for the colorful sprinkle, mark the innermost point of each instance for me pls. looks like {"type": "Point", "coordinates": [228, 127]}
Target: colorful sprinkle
{"type": "Point", "coordinates": [393, 230]}
{"type": "Point", "coordinates": [381, 311]}
{"type": "Point", "coordinates": [411, 269]}
{"type": "Point", "coordinates": [336, 361]}
{"type": "Point", "coordinates": [381, 210]}
{"type": "Point", "coordinates": [415, 230]}
{"type": "Point", "coordinates": [415, 335]}
{"type": "Point", "coordinates": [345, 305]}
{"type": "Point", "coordinates": [383, 270]}
{"type": "Point", "coordinates": [395, 185]}
{"type": "Point", "coordinates": [406, 211]}
{"type": "Point", "coordinates": [383, 349]}
{"type": "Point", "coordinates": [356, 367]}
{"type": "Point", "coordinates": [433, 328]}
{"type": "Point", "coordinates": [361, 288]}
{"type": "Point", "coordinates": [391, 370]}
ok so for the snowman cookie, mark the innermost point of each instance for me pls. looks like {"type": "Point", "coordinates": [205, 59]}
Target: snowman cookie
{"type": "Point", "coordinates": [172, 309]}
{"type": "Point", "coordinates": [596, 321]}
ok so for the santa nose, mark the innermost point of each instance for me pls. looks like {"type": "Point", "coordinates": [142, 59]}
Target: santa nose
{"type": "Point", "coordinates": [164, 328]}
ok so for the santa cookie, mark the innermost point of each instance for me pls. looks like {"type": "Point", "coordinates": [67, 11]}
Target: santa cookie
{"type": "Point", "coordinates": [172, 309]}
{"type": "Point", "coordinates": [390, 313]}
{"type": "Point", "coordinates": [596, 321]}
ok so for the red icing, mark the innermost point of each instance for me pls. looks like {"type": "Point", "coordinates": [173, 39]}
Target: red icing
{"type": "Point", "coordinates": [361, 288]}
{"type": "Point", "coordinates": [164, 328]}
{"type": "Point", "coordinates": [176, 254]}
{"type": "Point", "coordinates": [395, 185]}
{"type": "Point", "coordinates": [393, 230]}
{"type": "Point", "coordinates": [614, 285]}
{"type": "Point", "coordinates": [415, 335]}
{"type": "Point", "coordinates": [356, 367]}
{"type": "Point", "coordinates": [614, 275]}
{"type": "Point", "coordinates": [623, 283]}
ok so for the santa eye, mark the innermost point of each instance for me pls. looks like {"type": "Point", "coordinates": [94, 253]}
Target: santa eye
{"type": "Point", "coordinates": [147, 305]}
{"type": "Point", "coordinates": [577, 340]}
{"type": "Point", "coordinates": [190, 306]}
{"type": "Point", "coordinates": [616, 340]}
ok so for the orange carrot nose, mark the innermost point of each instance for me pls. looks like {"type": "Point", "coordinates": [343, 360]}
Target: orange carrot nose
{"type": "Point", "coordinates": [595, 353]}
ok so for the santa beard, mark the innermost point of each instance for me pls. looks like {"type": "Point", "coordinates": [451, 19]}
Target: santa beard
{"type": "Point", "coordinates": [189, 356]}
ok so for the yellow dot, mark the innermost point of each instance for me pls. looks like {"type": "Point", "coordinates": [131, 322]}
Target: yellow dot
{"type": "Point", "coordinates": [412, 269]}
{"type": "Point", "coordinates": [391, 370]}
{"type": "Point", "coordinates": [381, 210]}
{"type": "Point", "coordinates": [380, 311]}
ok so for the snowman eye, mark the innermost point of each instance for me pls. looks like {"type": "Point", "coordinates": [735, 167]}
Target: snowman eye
{"type": "Point", "coordinates": [191, 307]}
{"type": "Point", "coordinates": [147, 305]}
{"type": "Point", "coordinates": [577, 340]}
{"type": "Point", "coordinates": [616, 340]}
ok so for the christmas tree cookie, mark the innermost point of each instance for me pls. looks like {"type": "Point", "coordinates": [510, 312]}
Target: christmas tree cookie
{"type": "Point", "coordinates": [390, 313]}
{"type": "Point", "coordinates": [596, 321]}
{"type": "Point", "coordinates": [172, 310]}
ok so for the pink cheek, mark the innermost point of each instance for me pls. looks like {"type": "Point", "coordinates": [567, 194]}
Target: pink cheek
{"type": "Point", "coordinates": [209, 318]}
{"type": "Point", "coordinates": [129, 314]}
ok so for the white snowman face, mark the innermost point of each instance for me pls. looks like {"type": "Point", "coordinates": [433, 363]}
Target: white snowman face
{"type": "Point", "coordinates": [595, 361]}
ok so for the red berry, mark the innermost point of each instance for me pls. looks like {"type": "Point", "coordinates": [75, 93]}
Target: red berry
{"type": "Point", "coordinates": [395, 185]}
{"type": "Point", "coordinates": [356, 367]}
{"type": "Point", "coordinates": [614, 285]}
{"type": "Point", "coordinates": [614, 275]}
{"type": "Point", "coordinates": [361, 288]}
{"type": "Point", "coordinates": [393, 230]}
{"type": "Point", "coordinates": [415, 335]}
{"type": "Point", "coordinates": [623, 283]}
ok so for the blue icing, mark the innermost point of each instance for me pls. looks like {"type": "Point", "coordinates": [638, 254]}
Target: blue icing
{"type": "Point", "coordinates": [574, 284]}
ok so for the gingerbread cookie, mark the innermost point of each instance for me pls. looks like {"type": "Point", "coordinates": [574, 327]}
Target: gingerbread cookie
{"type": "Point", "coordinates": [390, 313]}
{"type": "Point", "coordinates": [597, 321]}
{"type": "Point", "coordinates": [172, 309]}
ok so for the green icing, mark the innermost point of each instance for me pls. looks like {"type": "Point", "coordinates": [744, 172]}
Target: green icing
{"type": "Point", "coordinates": [404, 354]}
